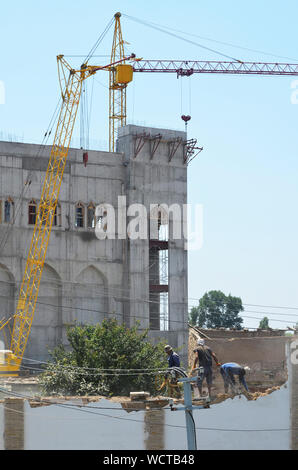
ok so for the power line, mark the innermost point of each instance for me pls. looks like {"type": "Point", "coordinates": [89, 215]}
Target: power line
{"type": "Point", "coordinates": [120, 289]}
{"type": "Point", "coordinates": [254, 305]}
{"type": "Point", "coordinates": [103, 372]}
{"type": "Point", "coordinates": [104, 293]}
{"type": "Point", "coordinates": [151, 317]}
{"type": "Point", "coordinates": [112, 314]}
{"type": "Point", "coordinates": [96, 368]}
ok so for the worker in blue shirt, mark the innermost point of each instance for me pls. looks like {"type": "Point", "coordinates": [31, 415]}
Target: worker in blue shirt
{"type": "Point", "coordinates": [228, 370]}
{"type": "Point", "coordinates": [174, 367]}
{"type": "Point", "coordinates": [173, 358]}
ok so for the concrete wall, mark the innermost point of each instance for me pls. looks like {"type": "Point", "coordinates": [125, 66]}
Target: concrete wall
{"type": "Point", "coordinates": [81, 274]}
{"type": "Point", "coordinates": [150, 178]}
{"type": "Point", "coordinates": [85, 279]}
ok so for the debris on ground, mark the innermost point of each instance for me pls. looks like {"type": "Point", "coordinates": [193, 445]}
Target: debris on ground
{"type": "Point", "coordinates": [138, 396]}
{"type": "Point", "coordinates": [136, 400]}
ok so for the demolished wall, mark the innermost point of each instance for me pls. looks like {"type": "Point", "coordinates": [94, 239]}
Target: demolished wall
{"type": "Point", "coordinates": [266, 357]}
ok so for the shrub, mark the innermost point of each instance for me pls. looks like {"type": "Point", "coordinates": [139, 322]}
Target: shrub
{"type": "Point", "coordinates": [88, 368]}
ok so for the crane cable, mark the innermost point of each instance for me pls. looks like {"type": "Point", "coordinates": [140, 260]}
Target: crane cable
{"type": "Point", "coordinates": [95, 46]}
{"type": "Point", "coordinates": [220, 42]}
{"type": "Point", "coordinates": [84, 108]}
{"type": "Point", "coordinates": [158, 28]}
{"type": "Point", "coordinates": [189, 95]}
{"type": "Point", "coordinates": [47, 134]}
{"type": "Point", "coordinates": [18, 205]}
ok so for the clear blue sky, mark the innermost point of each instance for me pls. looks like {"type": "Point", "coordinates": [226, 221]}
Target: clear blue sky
{"type": "Point", "coordinates": [246, 177]}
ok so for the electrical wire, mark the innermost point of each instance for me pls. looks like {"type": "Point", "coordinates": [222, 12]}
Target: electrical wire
{"type": "Point", "coordinates": [152, 317]}
{"type": "Point", "coordinates": [253, 305]}
{"type": "Point", "coordinates": [140, 317]}
{"type": "Point", "coordinates": [86, 372]}
{"type": "Point", "coordinates": [100, 371]}
{"type": "Point", "coordinates": [106, 295]}
{"type": "Point", "coordinates": [116, 292]}
{"type": "Point", "coordinates": [95, 368]}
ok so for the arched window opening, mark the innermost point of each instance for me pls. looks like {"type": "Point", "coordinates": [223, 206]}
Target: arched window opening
{"type": "Point", "coordinates": [57, 216]}
{"type": "Point", "coordinates": [8, 210]}
{"type": "Point", "coordinates": [91, 215]}
{"type": "Point", "coordinates": [32, 211]}
{"type": "Point", "coordinates": [79, 215]}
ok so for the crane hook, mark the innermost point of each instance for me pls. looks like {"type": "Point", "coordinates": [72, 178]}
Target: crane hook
{"type": "Point", "coordinates": [185, 118]}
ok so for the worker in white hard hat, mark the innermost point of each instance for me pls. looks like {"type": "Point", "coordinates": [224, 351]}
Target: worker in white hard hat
{"type": "Point", "coordinates": [204, 356]}
{"type": "Point", "coordinates": [228, 370]}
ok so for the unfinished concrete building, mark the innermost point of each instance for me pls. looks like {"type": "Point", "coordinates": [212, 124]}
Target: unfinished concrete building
{"type": "Point", "coordinates": [86, 279]}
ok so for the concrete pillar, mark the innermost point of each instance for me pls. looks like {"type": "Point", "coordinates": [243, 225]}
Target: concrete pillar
{"type": "Point", "coordinates": [154, 429]}
{"type": "Point", "coordinates": [14, 424]}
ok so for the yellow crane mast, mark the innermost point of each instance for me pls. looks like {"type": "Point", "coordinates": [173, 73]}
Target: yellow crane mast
{"type": "Point", "coordinates": [119, 78]}
{"type": "Point", "coordinates": [71, 85]}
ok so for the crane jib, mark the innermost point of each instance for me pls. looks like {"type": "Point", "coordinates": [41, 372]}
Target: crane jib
{"type": "Point", "coordinates": [186, 68]}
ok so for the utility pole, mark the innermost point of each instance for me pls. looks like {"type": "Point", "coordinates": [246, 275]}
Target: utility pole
{"type": "Point", "coordinates": [190, 424]}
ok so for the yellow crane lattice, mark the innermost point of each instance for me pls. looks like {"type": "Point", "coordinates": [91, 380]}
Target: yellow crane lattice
{"type": "Point", "coordinates": [119, 77]}
{"type": "Point", "coordinates": [71, 85]}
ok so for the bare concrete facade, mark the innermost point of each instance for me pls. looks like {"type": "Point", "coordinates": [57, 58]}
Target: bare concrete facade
{"type": "Point", "coordinates": [85, 279]}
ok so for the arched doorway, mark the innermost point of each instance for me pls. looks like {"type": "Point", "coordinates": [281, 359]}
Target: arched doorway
{"type": "Point", "coordinates": [46, 330]}
{"type": "Point", "coordinates": [90, 297]}
{"type": "Point", "coordinates": [7, 302]}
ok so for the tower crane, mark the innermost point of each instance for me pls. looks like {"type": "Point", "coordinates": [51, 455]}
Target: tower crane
{"type": "Point", "coordinates": [71, 85]}
{"type": "Point", "coordinates": [182, 68]}
{"type": "Point", "coordinates": [71, 81]}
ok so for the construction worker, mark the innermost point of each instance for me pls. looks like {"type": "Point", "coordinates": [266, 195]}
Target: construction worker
{"type": "Point", "coordinates": [204, 356]}
{"type": "Point", "coordinates": [174, 368]}
{"type": "Point", "coordinates": [173, 358]}
{"type": "Point", "coordinates": [228, 370]}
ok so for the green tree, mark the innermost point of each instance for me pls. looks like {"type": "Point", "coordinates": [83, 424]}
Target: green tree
{"type": "Point", "coordinates": [264, 324]}
{"type": "Point", "coordinates": [193, 316]}
{"type": "Point", "coordinates": [216, 310]}
{"type": "Point", "coordinates": [88, 368]}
